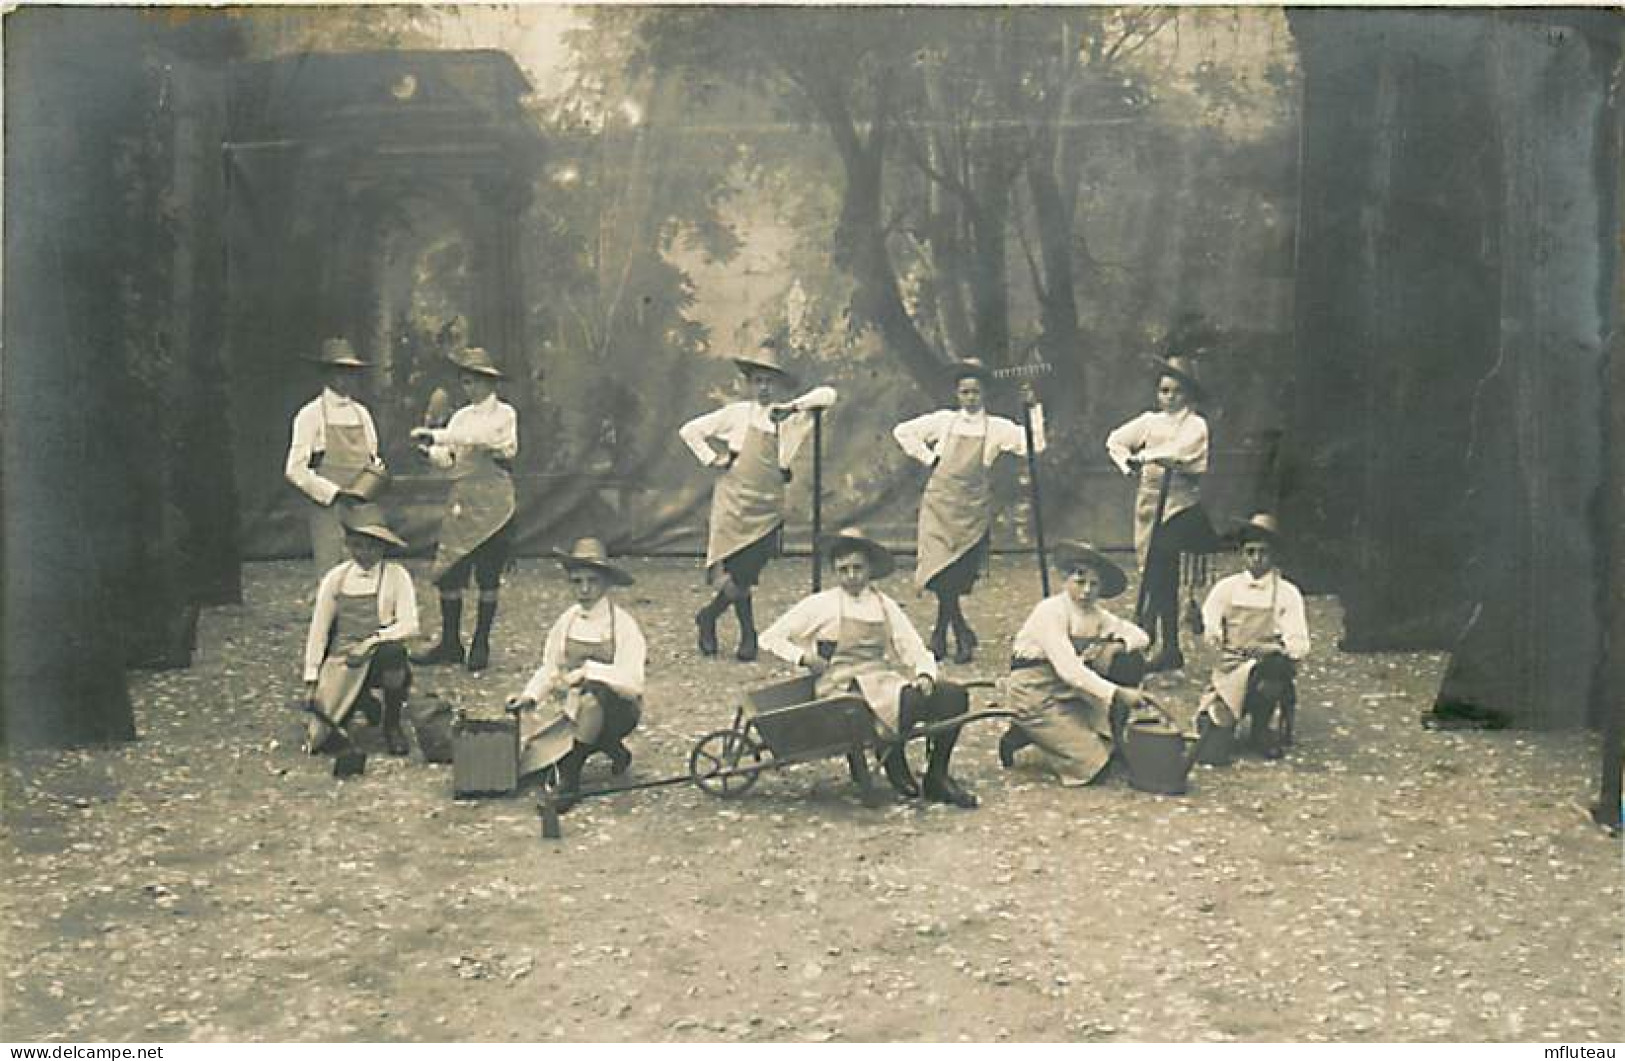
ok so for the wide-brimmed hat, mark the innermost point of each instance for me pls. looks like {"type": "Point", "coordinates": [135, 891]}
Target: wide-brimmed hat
{"type": "Point", "coordinates": [1183, 369]}
{"type": "Point", "coordinates": [475, 359]}
{"type": "Point", "coordinates": [765, 359]}
{"type": "Point", "coordinates": [1260, 527]}
{"type": "Point", "coordinates": [591, 554]}
{"type": "Point", "coordinates": [368, 519]}
{"type": "Point", "coordinates": [337, 353]}
{"type": "Point", "coordinates": [1069, 555]}
{"type": "Point", "coordinates": [850, 539]}
{"type": "Point", "coordinates": [970, 368]}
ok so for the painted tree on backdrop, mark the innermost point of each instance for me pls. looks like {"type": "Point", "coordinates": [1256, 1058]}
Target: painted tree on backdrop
{"type": "Point", "coordinates": [962, 137]}
{"type": "Point", "coordinates": [626, 182]}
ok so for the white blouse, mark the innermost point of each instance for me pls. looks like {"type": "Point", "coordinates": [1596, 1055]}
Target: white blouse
{"type": "Point", "coordinates": [794, 637]}
{"type": "Point", "coordinates": [397, 607]}
{"type": "Point", "coordinates": [1180, 437]}
{"type": "Point", "coordinates": [630, 652]}
{"type": "Point", "coordinates": [1047, 634]}
{"type": "Point", "coordinates": [310, 437]}
{"type": "Point", "coordinates": [730, 423]}
{"type": "Point", "coordinates": [491, 424]}
{"type": "Point", "coordinates": [1242, 590]}
{"type": "Point", "coordinates": [925, 437]}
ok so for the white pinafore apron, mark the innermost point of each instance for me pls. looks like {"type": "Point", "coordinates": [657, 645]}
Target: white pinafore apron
{"type": "Point", "coordinates": [1244, 625]}
{"type": "Point", "coordinates": [861, 658]}
{"type": "Point", "coordinates": [481, 503]}
{"type": "Point", "coordinates": [1074, 729]}
{"type": "Point", "coordinates": [748, 502]}
{"type": "Point", "coordinates": [338, 682]}
{"type": "Point", "coordinates": [344, 456]}
{"type": "Point", "coordinates": [547, 733]}
{"type": "Point", "coordinates": [956, 509]}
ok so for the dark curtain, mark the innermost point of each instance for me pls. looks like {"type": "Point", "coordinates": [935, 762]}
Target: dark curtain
{"type": "Point", "coordinates": [1453, 300]}
{"type": "Point", "coordinates": [118, 521]}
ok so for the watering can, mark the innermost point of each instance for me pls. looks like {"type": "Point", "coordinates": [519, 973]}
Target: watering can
{"type": "Point", "coordinates": [1160, 758]}
{"type": "Point", "coordinates": [370, 482]}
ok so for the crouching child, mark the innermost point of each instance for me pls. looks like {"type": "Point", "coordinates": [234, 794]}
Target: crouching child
{"type": "Point", "coordinates": [587, 696]}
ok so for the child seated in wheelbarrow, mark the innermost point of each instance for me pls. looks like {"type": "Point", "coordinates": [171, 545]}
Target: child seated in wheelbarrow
{"type": "Point", "coordinates": [856, 639]}
{"type": "Point", "coordinates": [1075, 669]}
{"type": "Point", "coordinates": [587, 695]}
{"type": "Point", "coordinates": [365, 613]}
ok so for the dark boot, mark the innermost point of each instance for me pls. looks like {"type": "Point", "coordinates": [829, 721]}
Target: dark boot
{"type": "Point", "coordinates": [745, 612]}
{"type": "Point", "coordinates": [939, 634]}
{"type": "Point", "coordinates": [479, 651]}
{"type": "Point", "coordinates": [1168, 657]}
{"type": "Point", "coordinates": [1164, 594]}
{"type": "Point", "coordinates": [940, 787]}
{"type": "Point", "coordinates": [620, 758]}
{"type": "Point", "coordinates": [1015, 738]}
{"type": "Point", "coordinates": [898, 772]}
{"type": "Point", "coordinates": [450, 647]}
{"type": "Point", "coordinates": [964, 637]}
{"type": "Point", "coordinates": [705, 622]}
{"type": "Point", "coordinates": [569, 774]}
{"type": "Point", "coordinates": [966, 641]}
{"type": "Point", "coordinates": [394, 738]}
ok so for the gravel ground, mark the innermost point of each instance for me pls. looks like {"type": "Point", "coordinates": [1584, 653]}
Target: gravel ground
{"type": "Point", "coordinates": [1383, 882]}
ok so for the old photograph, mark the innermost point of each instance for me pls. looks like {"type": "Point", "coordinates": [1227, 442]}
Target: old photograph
{"type": "Point", "coordinates": [638, 523]}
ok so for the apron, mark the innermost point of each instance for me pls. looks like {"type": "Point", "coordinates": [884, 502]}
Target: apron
{"type": "Point", "coordinates": [481, 503]}
{"type": "Point", "coordinates": [956, 509]}
{"type": "Point", "coordinates": [344, 456]}
{"type": "Point", "coordinates": [337, 682]}
{"type": "Point", "coordinates": [1183, 492]}
{"type": "Point", "coordinates": [860, 658]}
{"type": "Point", "coordinates": [1073, 729]}
{"type": "Point", "coordinates": [547, 734]}
{"type": "Point", "coordinates": [748, 502]}
{"type": "Point", "coordinates": [1243, 625]}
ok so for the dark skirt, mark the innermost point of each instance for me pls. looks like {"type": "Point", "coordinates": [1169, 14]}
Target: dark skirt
{"type": "Point", "coordinates": [486, 562]}
{"type": "Point", "coordinates": [621, 715]}
{"type": "Point", "coordinates": [958, 578]}
{"type": "Point", "coordinates": [745, 566]}
{"type": "Point", "coordinates": [1188, 531]}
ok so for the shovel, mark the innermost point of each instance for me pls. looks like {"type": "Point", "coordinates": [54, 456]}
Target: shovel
{"type": "Point", "coordinates": [350, 761]}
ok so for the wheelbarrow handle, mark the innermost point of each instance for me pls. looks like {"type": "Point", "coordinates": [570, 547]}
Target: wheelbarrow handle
{"type": "Point", "coordinates": [933, 728]}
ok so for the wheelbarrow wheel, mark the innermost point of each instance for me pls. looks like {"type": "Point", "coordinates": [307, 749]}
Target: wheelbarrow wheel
{"type": "Point", "coordinates": [722, 753]}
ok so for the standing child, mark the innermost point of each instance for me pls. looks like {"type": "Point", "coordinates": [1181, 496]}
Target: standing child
{"type": "Point", "coordinates": [478, 445]}
{"type": "Point", "coordinates": [960, 447]}
{"type": "Point", "coordinates": [752, 444]}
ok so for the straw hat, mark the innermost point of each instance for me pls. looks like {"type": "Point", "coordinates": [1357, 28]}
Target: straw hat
{"type": "Point", "coordinates": [1183, 369]}
{"type": "Point", "coordinates": [591, 554]}
{"type": "Point", "coordinates": [475, 359]}
{"type": "Point", "coordinates": [1260, 527]}
{"type": "Point", "coordinates": [850, 539]}
{"type": "Point", "coordinates": [1069, 555]}
{"type": "Point", "coordinates": [337, 353]}
{"type": "Point", "coordinates": [765, 359]}
{"type": "Point", "coordinates": [368, 519]}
